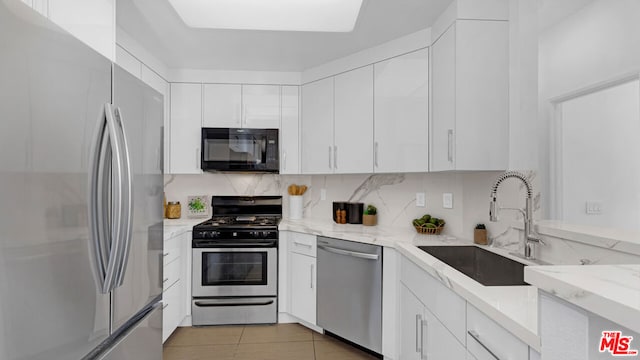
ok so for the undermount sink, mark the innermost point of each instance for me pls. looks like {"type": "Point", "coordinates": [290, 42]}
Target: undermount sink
{"type": "Point", "coordinates": [483, 266]}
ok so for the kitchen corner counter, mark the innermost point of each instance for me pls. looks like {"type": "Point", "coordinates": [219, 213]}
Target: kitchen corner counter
{"type": "Point", "coordinates": [513, 307]}
{"type": "Point", "coordinates": [375, 235]}
{"type": "Point", "coordinates": [610, 291]}
{"type": "Point", "coordinates": [175, 227]}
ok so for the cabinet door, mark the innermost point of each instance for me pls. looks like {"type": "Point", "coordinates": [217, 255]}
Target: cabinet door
{"type": "Point", "coordinates": [482, 95]}
{"type": "Point", "coordinates": [401, 108]}
{"type": "Point", "coordinates": [353, 134]}
{"type": "Point", "coordinates": [91, 21]}
{"type": "Point", "coordinates": [438, 342]}
{"type": "Point", "coordinates": [222, 106]}
{"type": "Point", "coordinates": [303, 287]}
{"type": "Point", "coordinates": [261, 106]}
{"type": "Point", "coordinates": [186, 120]}
{"type": "Point", "coordinates": [290, 131]}
{"type": "Point", "coordinates": [411, 316]}
{"type": "Point", "coordinates": [317, 127]}
{"type": "Point", "coordinates": [443, 121]}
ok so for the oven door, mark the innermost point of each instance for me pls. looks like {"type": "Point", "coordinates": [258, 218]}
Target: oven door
{"type": "Point", "coordinates": [232, 271]}
{"type": "Point", "coordinates": [226, 149]}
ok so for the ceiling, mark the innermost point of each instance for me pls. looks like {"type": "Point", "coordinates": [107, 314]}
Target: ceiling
{"type": "Point", "coordinates": [158, 28]}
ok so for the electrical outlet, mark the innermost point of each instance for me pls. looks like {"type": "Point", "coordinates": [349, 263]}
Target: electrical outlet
{"type": "Point", "coordinates": [421, 200]}
{"type": "Point", "coordinates": [323, 194]}
{"type": "Point", "coordinates": [447, 200]}
{"type": "Point", "coordinates": [593, 208]}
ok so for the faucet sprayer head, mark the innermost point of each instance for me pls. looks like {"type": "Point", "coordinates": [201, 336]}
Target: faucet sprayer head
{"type": "Point", "coordinates": [493, 210]}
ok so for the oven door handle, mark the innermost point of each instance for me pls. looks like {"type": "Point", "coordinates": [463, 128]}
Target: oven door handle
{"type": "Point", "coordinates": [221, 303]}
{"type": "Point", "coordinates": [212, 245]}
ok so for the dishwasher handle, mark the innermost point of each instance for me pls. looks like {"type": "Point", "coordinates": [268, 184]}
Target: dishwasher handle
{"type": "Point", "coordinates": [349, 253]}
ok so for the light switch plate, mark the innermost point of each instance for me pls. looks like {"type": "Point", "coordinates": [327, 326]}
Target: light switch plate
{"type": "Point", "coordinates": [323, 194]}
{"type": "Point", "coordinates": [447, 200]}
{"type": "Point", "coordinates": [421, 200]}
{"type": "Point", "coordinates": [593, 208]}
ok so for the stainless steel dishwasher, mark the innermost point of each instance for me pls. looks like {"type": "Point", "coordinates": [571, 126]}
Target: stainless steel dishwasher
{"type": "Point", "coordinates": [350, 291]}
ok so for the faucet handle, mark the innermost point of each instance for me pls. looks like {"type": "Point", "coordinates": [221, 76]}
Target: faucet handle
{"type": "Point", "coordinates": [536, 239]}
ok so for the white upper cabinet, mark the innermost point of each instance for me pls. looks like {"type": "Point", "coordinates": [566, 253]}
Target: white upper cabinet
{"type": "Point", "coordinates": [317, 127]}
{"type": "Point", "coordinates": [222, 106]}
{"type": "Point", "coordinates": [261, 106]}
{"type": "Point", "coordinates": [401, 113]}
{"type": "Point", "coordinates": [353, 122]}
{"type": "Point", "coordinates": [91, 21]}
{"type": "Point", "coordinates": [290, 131]}
{"type": "Point", "coordinates": [186, 123]}
{"type": "Point", "coordinates": [470, 97]}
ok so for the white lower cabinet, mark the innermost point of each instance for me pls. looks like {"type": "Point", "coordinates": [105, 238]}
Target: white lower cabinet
{"type": "Point", "coordinates": [487, 340]}
{"type": "Point", "coordinates": [174, 283]}
{"type": "Point", "coordinates": [303, 287]}
{"type": "Point", "coordinates": [423, 336]}
{"type": "Point", "coordinates": [302, 276]}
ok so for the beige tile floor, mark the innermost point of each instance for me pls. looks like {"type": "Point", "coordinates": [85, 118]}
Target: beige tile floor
{"type": "Point", "coordinates": [257, 342]}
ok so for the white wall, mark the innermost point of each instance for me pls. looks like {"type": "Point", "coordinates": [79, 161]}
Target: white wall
{"type": "Point", "coordinates": [600, 155]}
{"type": "Point", "coordinates": [596, 44]}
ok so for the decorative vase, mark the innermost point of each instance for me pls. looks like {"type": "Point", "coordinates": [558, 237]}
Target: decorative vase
{"type": "Point", "coordinates": [369, 220]}
{"type": "Point", "coordinates": [480, 236]}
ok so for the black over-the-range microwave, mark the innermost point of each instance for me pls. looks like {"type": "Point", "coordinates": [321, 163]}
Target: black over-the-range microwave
{"type": "Point", "coordinates": [242, 150]}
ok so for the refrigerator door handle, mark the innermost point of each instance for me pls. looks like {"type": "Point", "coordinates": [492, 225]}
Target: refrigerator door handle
{"type": "Point", "coordinates": [126, 201]}
{"type": "Point", "coordinates": [105, 167]}
{"type": "Point", "coordinates": [117, 169]}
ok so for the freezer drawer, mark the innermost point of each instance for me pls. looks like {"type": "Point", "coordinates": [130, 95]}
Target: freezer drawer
{"type": "Point", "coordinates": [143, 342]}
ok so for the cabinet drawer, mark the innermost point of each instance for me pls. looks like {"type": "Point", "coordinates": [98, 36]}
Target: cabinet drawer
{"type": "Point", "coordinates": [446, 305]}
{"type": "Point", "coordinates": [304, 244]}
{"type": "Point", "coordinates": [484, 337]}
{"type": "Point", "coordinates": [170, 275]}
{"type": "Point", "coordinates": [171, 250]}
{"type": "Point", "coordinates": [170, 310]}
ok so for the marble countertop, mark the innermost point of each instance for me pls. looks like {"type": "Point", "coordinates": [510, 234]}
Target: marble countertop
{"type": "Point", "coordinates": [610, 291]}
{"type": "Point", "coordinates": [513, 307]}
{"type": "Point", "coordinates": [175, 227]}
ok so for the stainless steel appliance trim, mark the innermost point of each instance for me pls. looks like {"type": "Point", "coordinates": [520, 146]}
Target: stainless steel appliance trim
{"type": "Point", "coordinates": [116, 213]}
{"type": "Point", "coordinates": [349, 253]}
{"type": "Point", "coordinates": [127, 201]}
{"type": "Point", "coordinates": [476, 337]}
{"type": "Point", "coordinates": [231, 302]}
{"type": "Point", "coordinates": [270, 289]}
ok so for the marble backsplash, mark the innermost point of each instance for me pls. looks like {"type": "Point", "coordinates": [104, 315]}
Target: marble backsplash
{"type": "Point", "coordinates": [393, 194]}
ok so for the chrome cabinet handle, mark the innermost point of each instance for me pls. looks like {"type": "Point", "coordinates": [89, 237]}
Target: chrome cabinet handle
{"type": "Point", "coordinates": [197, 158]}
{"type": "Point", "coordinates": [126, 202]}
{"type": "Point", "coordinates": [284, 160]}
{"type": "Point", "coordinates": [475, 336]}
{"type": "Point", "coordinates": [330, 157]}
{"type": "Point", "coordinates": [311, 278]}
{"type": "Point", "coordinates": [418, 337]}
{"type": "Point", "coordinates": [375, 154]}
{"type": "Point", "coordinates": [349, 253]}
{"type": "Point", "coordinates": [424, 355]}
{"type": "Point", "coordinates": [450, 145]}
{"type": "Point", "coordinates": [335, 156]}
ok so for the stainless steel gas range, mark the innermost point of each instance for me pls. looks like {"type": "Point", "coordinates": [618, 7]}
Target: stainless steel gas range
{"type": "Point", "coordinates": [235, 262]}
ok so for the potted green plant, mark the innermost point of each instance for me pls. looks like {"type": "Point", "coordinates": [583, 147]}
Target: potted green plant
{"type": "Point", "coordinates": [480, 235]}
{"type": "Point", "coordinates": [370, 216]}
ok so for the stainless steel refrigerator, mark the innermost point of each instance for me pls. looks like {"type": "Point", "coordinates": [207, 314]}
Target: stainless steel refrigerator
{"type": "Point", "coordinates": [80, 199]}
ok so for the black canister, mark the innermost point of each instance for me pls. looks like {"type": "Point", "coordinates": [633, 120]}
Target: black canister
{"type": "Point", "coordinates": [339, 205]}
{"type": "Point", "coordinates": [354, 213]}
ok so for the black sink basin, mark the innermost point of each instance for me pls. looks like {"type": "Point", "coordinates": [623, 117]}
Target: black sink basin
{"type": "Point", "coordinates": [483, 266]}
